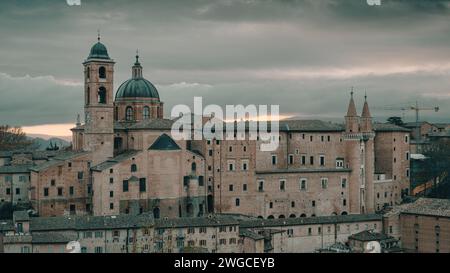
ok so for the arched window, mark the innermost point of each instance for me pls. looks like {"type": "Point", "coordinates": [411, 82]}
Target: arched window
{"type": "Point", "coordinates": [102, 95]}
{"type": "Point", "coordinates": [129, 113]}
{"type": "Point", "coordinates": [88, 72]}
{"type": "Point", "coordinates": [194, 166]}
{"type": "Point", "coordinates": [281, 216]}
{"type": "Point", "coordinates": [292, 216]}
{"type": "Point", "coordinates": [344, 213]}
{"type": "Point", "coordinates": [146, 112]}
{"type": "Point", "coordinates": [133, 168]}
{"type": "Point", "coordinates": [270, 217]}
{"type": "Point", "coordinates": [102, 72]}
{"type": "Point", "coordinates": [88, 96]}
{"type": "Point", "coordinates": [303, 215]}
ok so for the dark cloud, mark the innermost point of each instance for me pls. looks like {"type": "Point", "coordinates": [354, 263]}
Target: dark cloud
{"type": "Point", "coordinates": [303, 55]}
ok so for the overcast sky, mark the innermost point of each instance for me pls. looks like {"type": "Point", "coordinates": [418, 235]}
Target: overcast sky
{"type": "Point", "coordinates": [303, 55]}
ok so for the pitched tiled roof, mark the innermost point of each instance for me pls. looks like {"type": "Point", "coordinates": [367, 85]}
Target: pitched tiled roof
{"type": "Point", "coordinates": [6, 225]}
{"type": "Point", "coordinates": [369, 235]}
{"type": "Point", "coordinates": [388, 127]}
{"type": "Point", "coordinates": [90, 222]}
{"type": "Point", "coordinates": [215, 220]}
{"type": "Point", "coordinates": [310, 220]}
{"type": "Point", "coordinates": [53, 237]}
{"type": "Point", "coordinates": [57, 160]}
{"type": "Point", "coordinates": [15, 169]}
{"type": "Point", "coordinates": [429, 207]}
{"type": "Point", "coordinates": [164, 142]}
{"type": "Point", "coordinates": [115, 160]}
{"type": "Point", "coordinates": [149, 124]}
{"type": "Point", "coordinates": [21, 215]}
{"type": "Point", "coordinates": [250, 234]}
{"type": "Point", "coordinates": [310, 126]}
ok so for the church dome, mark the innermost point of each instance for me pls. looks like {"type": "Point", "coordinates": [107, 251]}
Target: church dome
{"type": "Point", "coordinates": [99, 51]}
{"type": "Point", "coordinates": [137, 88]}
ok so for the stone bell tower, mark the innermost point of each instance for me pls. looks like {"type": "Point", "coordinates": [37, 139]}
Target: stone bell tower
{"type": "Point", "coordinates": [99, 104]}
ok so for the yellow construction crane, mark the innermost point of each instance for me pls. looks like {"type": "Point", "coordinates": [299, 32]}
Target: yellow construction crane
{"type": "Point", "coordinates": [415, 108]}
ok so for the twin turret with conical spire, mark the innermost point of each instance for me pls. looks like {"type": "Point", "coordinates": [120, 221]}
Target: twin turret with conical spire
{"type": "Point", "coordinates": [355, 124]}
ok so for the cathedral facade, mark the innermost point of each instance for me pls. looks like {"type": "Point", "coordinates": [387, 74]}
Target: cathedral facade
{"type": "Point", "coordinates": [124, 161]}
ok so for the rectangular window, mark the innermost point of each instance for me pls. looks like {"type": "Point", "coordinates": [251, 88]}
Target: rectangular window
{"type": "Point", "coordinates": [230, 187]}
{"type": "Point", "coordinates": [339, 163]}
{"type": "Point", "coordinates": [343, 183]}
{"type": "Point", "coordinates": [71, 190]}
{"type": "Point", "coordinates": [17, 191]}
{"type": "Point", "coordinates": [324, 182]}
{"type": "Point", "coordinates": [80, 175]}
{"type": "Point", "coordinates": [45, 191]}
{"type": "Point", "coordinates": [60, 191]}
{"type": "Point", "coordinates": [291, 159]}
{"type": "Point", "coordinates": [303, 159]}
{"type": "Point", "coordinates": [244, 187]}
{"type": "Point", "coordinates": [142, 185]}
{"type": "Point", "coordinates": [111, 194]}
{"type": "Point", "coordinates": [311, 160]}
{"type": "Point", "coordinates": [274, 160]}
{"type": "Point", "coordinates": [303, 184]}
{"type": "Point", "coordinates": [111, 206]}
{"type": "Point", "coordinates": [125, 186]}
{"type": "Point", "coordinates": [282, 185]}
{"type": "Point", "coordinates": [260, 186]}
{"type": "Point", "coordinates": [201, 180]}
{"type": "Point", "coordinates": [230, 166]}
{"type": "Point", "coordinates": [322, 160]}
{"type": "Point", "coordinates": [244, 166]}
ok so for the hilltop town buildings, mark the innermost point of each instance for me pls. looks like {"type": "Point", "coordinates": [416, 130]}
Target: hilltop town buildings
{"type": "Point", "coordinates": [124, 163]}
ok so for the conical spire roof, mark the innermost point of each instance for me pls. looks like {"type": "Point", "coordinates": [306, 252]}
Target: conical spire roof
{"type": "Point", "coordinates": [365, 112]}
{"type": "Point", "coordinates": [351, 112]}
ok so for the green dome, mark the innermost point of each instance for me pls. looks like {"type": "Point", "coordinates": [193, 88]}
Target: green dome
{"type": "Point", "coordinates": [137, 88]}
{"type": "Point", "coordinates": [99, 51]}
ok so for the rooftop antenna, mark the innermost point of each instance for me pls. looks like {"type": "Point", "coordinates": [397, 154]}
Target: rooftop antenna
{"type": "Point", "coordinates": [98, 35]}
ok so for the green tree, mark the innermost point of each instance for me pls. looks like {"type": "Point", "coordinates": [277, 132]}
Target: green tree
{"type": "Point", "coordinates": [395, 120]}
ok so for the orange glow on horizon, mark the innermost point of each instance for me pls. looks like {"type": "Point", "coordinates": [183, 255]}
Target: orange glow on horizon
{"type": "Point", "coordinates": [61, 130]}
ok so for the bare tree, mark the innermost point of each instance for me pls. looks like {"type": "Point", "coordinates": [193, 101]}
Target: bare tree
{"type": "Point", "coordinates": [13, 138]}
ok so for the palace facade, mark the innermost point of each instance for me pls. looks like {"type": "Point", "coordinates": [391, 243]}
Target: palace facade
{"type": "Point", "coordinates": [124, 161]}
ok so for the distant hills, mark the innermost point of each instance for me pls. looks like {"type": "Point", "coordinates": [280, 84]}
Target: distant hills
{"type": "Point", "coordinates": [45, 141]}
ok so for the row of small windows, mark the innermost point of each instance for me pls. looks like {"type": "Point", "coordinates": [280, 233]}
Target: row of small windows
{"type": "Point", "coordinates": [303, 184]}
{"type": "Point", "coordinates": [311, 137]}
{"type": "Point", "coordinates": [129, 113]}
{"type": "Point", "coordinates": [244, 165]}
{"type": "Point", "coordinates": [303, 160]}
